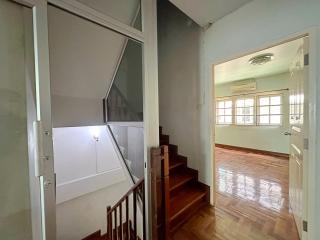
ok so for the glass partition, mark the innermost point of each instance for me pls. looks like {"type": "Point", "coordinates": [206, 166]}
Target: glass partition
{"type": "Point", "coordinates": [17, 98]}
{"type": "Point", "coordinates": [125, 11]}
{"type": "Point", "coordinates": [125, 98]}
{"type": "Point", "coordinates": [85, 59]}
{"type": "Point", "coordinates": [129, 139]}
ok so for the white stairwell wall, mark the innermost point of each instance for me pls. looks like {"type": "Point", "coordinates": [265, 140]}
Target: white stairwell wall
{"type": "Point", "coordinates": [90, 177]}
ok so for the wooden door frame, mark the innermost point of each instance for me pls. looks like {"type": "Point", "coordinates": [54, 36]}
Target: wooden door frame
{"type": "Point", "coordinates": [311, 211]}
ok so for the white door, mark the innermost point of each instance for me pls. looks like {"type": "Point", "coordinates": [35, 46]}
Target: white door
{"type": "Point", "coordinates": [26, 189]}
{"type": "Point", "coordinates": [298, 134]}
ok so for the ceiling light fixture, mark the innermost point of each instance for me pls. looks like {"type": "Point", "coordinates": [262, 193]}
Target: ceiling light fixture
{"type": "Point", "coordinates": [261, 59]}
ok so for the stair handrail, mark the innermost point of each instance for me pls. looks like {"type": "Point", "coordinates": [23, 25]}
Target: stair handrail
{"type": "Point", "coordinates": [124, 230]}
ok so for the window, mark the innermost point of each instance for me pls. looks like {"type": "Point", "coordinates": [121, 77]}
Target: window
{"type": "Point", "coordinates": [224, 112]}
{"type": "Point", "coordinates": [245, 111]}
{"type": "Point", "coordinates": [270, 110]}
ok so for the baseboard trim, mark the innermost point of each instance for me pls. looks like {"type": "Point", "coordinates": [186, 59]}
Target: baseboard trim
{"type": "Point", "coordinates": [251, 150]}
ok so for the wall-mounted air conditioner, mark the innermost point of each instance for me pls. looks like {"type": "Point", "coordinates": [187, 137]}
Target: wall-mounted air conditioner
{"type": "Point", "coordinates": [244, 86]}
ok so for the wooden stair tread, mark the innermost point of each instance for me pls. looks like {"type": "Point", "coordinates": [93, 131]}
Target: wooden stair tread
{"type": "Point", "coordinates": [180, 178]}
{"type": "Point", "coordinates": [185, 199]}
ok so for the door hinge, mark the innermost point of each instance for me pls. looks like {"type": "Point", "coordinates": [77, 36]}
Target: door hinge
{"type": "Point", "coordinates": [305, 225]}
{"type": "Point", "coordinates": [306, 60]}
{"type": "Point", "coordinates": [306, 143]}
{"type": "Point", "coordinates": [40, 155]}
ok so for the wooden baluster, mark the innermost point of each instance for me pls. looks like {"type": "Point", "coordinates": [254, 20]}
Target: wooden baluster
{"type": "Point", "coordinates": [115, 224]}
{"type": "Point", "coordinates": [144, 210]}
{"type": "Point", "coordinates": [135, 213]}
{"type": "Point", "coordinates": [109, 220]}
{"type": "Point", "coordinates": [111, 223]}
{"type": "Point", "coordinates": [127, 219]}
{"type": "Point", "coordinates": [166, 189]}
{"type": "Point", "coordinates": [120, 221]}
{"type": "Point", "coordinates": [130, 230]}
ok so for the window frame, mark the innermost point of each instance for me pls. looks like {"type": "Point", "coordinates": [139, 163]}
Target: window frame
{"type": "Point", "coordinates": [224, 108]}
{"type": "Point", "coordinates": [256, 108]}
{"type": "Point", "coordinates": [258, 115]}
{"type": "Point", "coordinates": [245, 97]}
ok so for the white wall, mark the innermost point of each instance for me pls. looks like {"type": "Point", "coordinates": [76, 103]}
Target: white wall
{"type": "Point", "coordinates": [89, 178]}
{"type": "Point", "coordinates": [84, 215]}
{"type": "Point", "coordinates": [179, 44]}
{"type": "Point", "coordinates": [85, 161]}
{"type": "Point", "coordinates": [250, 28]}
{"type": "Point", "coordinates": [268, 138]}
{"type": "Point", "coordinates": [83, 59]}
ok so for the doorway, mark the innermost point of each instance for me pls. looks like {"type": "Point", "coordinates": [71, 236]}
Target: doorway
{"type": "Point", "coordinates": [260, 125]}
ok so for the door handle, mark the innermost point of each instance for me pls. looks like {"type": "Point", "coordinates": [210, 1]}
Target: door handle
{"type": "Point", "coordinates": [287, 133]}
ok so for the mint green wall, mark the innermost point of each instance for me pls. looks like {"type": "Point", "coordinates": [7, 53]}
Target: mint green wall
{"type": "Point", "coordinates": [268, 138]}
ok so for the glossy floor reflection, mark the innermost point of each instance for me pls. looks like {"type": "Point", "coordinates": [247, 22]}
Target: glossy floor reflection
{"type": "Point", "coordinates": [251, 201]}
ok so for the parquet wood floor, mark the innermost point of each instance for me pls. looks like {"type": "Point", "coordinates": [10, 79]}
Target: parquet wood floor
{"type": "Point", "coordinates": [251, 201]}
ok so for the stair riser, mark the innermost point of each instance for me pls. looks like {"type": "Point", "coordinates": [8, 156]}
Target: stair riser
{"type": "Point", "coordinates": [183, 217]}
{"type": "Point", "coordinates": [173, 151]}
{"type": "Point", "coordinates": [180, 167]}
{"type": "Point", "coordinates": [164, 139]}
{"type": "Point", "coordinates": [187, 184]}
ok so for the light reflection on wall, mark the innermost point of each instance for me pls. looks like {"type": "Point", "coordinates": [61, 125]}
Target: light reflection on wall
{"type": "Point", "coordinates": [265, 192]}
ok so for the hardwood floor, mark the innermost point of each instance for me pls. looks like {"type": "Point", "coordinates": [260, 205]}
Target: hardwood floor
{"type": "Point", "coordinates": [251, 201]}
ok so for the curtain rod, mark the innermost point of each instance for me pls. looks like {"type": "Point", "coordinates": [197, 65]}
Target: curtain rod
{"type": "Point", "coordinates": [244, 94]}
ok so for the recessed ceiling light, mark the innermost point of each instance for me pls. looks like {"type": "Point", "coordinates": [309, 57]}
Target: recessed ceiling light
{"type": "Point", "coordinates": [261, 59]}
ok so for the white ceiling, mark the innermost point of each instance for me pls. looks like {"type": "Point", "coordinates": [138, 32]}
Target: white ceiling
{"type": "Point", "coordinates": [208, 11]}
{"type": "Point", "coordinates": [239, 69]}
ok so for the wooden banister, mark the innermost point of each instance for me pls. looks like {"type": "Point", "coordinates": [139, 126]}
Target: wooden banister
{"type": "Point", "coordinates": [125, 230]}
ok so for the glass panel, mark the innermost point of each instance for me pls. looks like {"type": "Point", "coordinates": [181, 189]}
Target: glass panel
{"type": "Point", "coordinates": [291, 109]}
{"type": "Point", "coordinates": [85, 58]}
{"type": "Point", "coordinates": [221, 119]}
{"type": "Point", "coordinates": [125, 99]}
{"type": "Point", "coordinates": [221, 112]}
{"type": "Point", "coordinates": [264, 119]}
{"type": "Point", "coordinates": [240, 111]}
{"type": "Point", "coordinates": [221, 104]}
{"type": "Point", "coordinates": [129, 140]}
{"type": "Point", "coordinates": [228, 104]}
{"type": "Point", "coordinates": [228, 119]}
{"type": "Point", "coordinates": [264, 110]}
{"type": "Point", "coordinates": [228, 111]}
{"type": "Point", "coordinates": [275, 119]}
{"type": "Point", "coordinates": [126, 11]}
{"type": "Point", "coordinates": [264, 101]}
{"type": "Point", "coordinates": [249, 102]}
{"type": "Point", "coordinates": [275, 110]}
{"type": "Point", "coordinates": [240, 103]}
{"type": "Point", "coordinates": [240, 119]}
{"type": "Point", "coordinates": [15, 186]}
{"type": "Point", "coordinates": [249, 110]}
{"type": "Point", "coordinates": [249, 119]}
{"type": "Point", "coordinates": [275, 100]}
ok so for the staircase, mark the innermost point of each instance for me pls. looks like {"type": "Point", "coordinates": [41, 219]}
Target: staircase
{"type": "Point", "coordinates": [122, 217]}
{"type": "Point", "coordinates": [176, 196]}
{"type": "Point", "coordinates": [186, 193]}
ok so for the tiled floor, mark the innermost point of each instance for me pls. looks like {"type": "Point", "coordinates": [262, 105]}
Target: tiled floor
{"type": "Point", "coordinates": [251, 201]}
